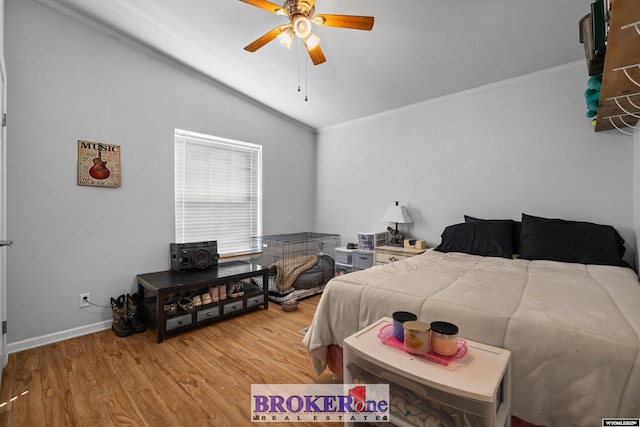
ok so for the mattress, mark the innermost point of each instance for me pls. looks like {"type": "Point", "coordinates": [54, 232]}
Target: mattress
{"type": "Point", "coordinates": [573, 329]}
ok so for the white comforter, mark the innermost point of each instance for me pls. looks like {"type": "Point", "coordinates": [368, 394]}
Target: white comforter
{"type": "Point", "coordinates": [573, 329]}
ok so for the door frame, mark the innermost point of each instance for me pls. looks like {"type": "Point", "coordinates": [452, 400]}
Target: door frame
{"type": "Point", "coordinates": [4, 357]}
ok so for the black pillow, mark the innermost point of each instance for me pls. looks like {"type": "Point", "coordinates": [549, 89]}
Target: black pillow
{"type": "Point", "coordinates": [515, 230]}
{"type": "Point", "coordinates": [485, 238]}
{"type": "Point", "coordinates": [570, 241]}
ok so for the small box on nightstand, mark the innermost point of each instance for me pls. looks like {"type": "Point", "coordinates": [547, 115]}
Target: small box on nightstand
{"type": "Point", "coordinates": [415, 244]}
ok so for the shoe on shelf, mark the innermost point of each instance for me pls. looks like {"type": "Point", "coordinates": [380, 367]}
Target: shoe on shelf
{"type": "Point", "coordinates": [233, 290]}
{"type": "Point", "coordinates": [206, 298]}
{"type": "Point", "coordinates": [196, 301]}
{"type": "Point", "coordinates": [240, 289]}
{"type": "Point", "coordinates": [222, 290]}
{"type": "Point", "coordinates": [170, 306]}
{"type": "Point", "coordinates": [213, 291]}
{"type": "Point", "coordinates": [186, 304]}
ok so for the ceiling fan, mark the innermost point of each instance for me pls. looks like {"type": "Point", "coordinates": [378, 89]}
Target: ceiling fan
{"type": "Point", "coordinates": [301, 15]}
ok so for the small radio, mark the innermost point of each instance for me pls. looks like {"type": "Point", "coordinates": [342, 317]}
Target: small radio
{"type": "Point", "coordinates": [198, 255]}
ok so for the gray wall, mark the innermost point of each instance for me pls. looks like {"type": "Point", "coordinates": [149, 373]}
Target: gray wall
{"type": "Point", "coordinates": [522, 145]}
{"type": "Point", "coordinates": [69, 82]}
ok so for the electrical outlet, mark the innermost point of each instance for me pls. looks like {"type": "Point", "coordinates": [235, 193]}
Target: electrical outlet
{"type": "Point", "coordinates": [84, 300]}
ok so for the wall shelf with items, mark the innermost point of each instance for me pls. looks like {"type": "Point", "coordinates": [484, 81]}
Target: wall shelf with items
{"type": "Point", "coordinates": [620, 90]}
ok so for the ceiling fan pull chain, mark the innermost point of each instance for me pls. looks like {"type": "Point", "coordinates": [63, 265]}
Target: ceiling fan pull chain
{"type": "Point", "coordinates": [299, 56]}
{"type": "Point", "coordinates": [306, 80]}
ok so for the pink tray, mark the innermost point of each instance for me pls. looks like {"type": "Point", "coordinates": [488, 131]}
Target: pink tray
{"type": "Point", "coordinates": [387, 338]}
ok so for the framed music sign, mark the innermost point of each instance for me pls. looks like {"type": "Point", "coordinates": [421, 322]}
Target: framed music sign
{"type": "Point", "coordinates": [98, 164]}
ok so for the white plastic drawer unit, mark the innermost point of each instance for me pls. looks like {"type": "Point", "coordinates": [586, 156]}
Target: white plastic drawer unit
{"type": "Point", "coordinates": [344, 256]}
{"type": "Point", "coordinates": [474, 390]}
{"type": "Point", "coordinates": [368, 241]}
{"type": "Point", "coordinates": [362, 259]}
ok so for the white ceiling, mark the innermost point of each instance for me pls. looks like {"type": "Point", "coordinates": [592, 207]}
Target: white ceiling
{"type": "Point", "coordinates": [417, 50]}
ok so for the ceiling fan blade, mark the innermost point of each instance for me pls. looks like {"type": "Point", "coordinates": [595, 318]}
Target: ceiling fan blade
{"type": "Point", "coordinates": [266, 5]}
{"type": "Point", "coordinates": [261, 41]}
{"type": "Point", "coordinates": [345, 21]}
{"type": "Point", "coordinates": [317, 56]}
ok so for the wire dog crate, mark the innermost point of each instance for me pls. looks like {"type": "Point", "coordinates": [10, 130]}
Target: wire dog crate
{"type": "Point", "coordinates": [266, 250]}
{"type": "Point", "coordinates": [300, 263]}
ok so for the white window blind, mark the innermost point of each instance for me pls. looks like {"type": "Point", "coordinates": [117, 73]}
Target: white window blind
{"type": "Point", "coordinates": [218, 191]}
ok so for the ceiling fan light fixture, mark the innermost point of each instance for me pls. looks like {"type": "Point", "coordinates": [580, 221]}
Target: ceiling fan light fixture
{"type": "Point", "coordinates": [302, 17]}
{"type": "Point", "coordinates": [301, 26]}
{"type": "Point", "coordinates": [286, 37]}
{"type": "Point", "coordinates": [312, 41]}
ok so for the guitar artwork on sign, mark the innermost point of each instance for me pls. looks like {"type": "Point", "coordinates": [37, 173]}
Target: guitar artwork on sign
{"type": "Point", "coordinates": [93, 158]}
{"type": "Point", "coordinates": [99, 169]}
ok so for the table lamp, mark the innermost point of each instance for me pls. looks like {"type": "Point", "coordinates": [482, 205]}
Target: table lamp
{"type": "Point", "coordinates": [399, 215]}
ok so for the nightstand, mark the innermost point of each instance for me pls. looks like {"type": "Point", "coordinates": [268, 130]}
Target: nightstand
{"type": "Point", "coordinates": [387, 254]}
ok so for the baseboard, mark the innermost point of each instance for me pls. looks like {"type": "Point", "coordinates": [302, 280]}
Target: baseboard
{"type": "Point", "coordinates": [15, 347]}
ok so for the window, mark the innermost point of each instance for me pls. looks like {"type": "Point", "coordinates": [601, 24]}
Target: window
{"type": "Point", "coordinates": [218, 191]}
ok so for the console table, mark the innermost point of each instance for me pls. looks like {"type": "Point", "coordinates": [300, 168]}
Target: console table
{"type": "Point", "coordinates": [155, 288]}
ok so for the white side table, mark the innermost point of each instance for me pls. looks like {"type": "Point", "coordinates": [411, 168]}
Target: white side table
{"type": "Point", "coordinates": [476, 386]}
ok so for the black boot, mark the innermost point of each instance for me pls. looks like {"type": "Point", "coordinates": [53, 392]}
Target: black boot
{"type": "Point", "coordinates": [120, 326]}
{"type": "Point", "coordinates": [133, 316]}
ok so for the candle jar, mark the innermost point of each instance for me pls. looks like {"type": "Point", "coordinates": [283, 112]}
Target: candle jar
{"type": "Point", "coordinates": [416, 336]}
{"type": "Point", "coordinates": [399, 317]}
{"type": "Point", "coordinates": [444, 338]}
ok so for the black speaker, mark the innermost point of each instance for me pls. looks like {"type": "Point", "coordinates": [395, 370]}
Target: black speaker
{"type": "Point", "coordinates": [199, 255]}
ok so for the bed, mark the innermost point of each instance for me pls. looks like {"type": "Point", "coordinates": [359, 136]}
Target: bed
{"type": "Point", "coordinates": [300, 264]}
{"type": "Point", "coordinates": [556, 293]}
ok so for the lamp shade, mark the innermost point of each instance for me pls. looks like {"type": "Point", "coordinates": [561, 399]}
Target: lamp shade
{"type": "Point", "coordinates": [398, 214]}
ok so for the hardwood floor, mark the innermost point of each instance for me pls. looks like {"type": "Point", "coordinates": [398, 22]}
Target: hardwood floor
{"type": "Point", "coordinates": [200, 378]}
